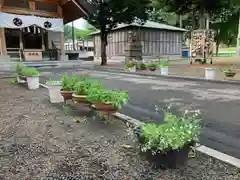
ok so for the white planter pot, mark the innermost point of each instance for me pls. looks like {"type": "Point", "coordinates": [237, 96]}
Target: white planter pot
{"type": "Point", "coordinates": [164, 70]}
{"type": "Point", "coordinates": [210, 74]}
{"type": "Point", "coordinates": [54, 94]}
{"type": "Point", "coordinates": [132, 69]}
{"type": "Point", "coordinates": [33, 82]}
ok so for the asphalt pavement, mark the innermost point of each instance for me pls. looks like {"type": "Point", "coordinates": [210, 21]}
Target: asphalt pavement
{"type": "Point", "coordinates": [219, 103]}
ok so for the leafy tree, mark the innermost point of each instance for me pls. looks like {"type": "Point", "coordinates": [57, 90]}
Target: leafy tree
{"type": "Point", "coordinates": [67, 32]}
{"type": "Point", "coordinates": [200, 7]}
{"type": "Point", "coordinates": [109, 13]}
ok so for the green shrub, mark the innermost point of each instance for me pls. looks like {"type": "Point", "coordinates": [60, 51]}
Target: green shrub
{"type": "Point", "coordinates": [18, 68]}
{"type": "Point", "coordinates": [152, 65]}
{"type": "Point", "coordinates": [116, 98]}
{"type": "Point", "coordinates": [69, 82]}
{"type": "Point", "coordinates": [173, 134]}
{"type": "Point", "coordinates": [143, 66]}
{"type": "Point", "coordinates": [131, 64]}
{"type": "Point", "coordinates": [30, 72]}
{"type": "Point", "coordinates": [85, 85]}
{"type": "Point", "coordinates": [164, 63]}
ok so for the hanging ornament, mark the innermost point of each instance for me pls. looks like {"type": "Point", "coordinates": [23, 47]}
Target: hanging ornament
{"type": "Point", "coordinates": [47, 24]}
{"type": "Point", "coordinates": [17, 22]}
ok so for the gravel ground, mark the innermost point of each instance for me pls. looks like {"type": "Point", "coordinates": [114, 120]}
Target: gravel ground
{"type": "Point", "coordinates": [44, 142]}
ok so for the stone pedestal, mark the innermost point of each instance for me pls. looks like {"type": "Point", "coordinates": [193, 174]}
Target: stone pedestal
{"type": "Point", "coordinates": [64, 57]}
{"type": "Point", "coordinates": [133, 50]}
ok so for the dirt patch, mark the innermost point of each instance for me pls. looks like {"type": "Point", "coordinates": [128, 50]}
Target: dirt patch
{"type": "Point", "coordinates": [41, 141]}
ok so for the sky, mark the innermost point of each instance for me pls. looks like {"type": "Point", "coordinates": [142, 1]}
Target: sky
{"type": "Point", "coordinates": [79, 23]}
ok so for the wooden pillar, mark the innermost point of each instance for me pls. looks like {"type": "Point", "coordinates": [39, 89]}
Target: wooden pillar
{"type": "Point", "coordinates": [21, 39]}
{"type": "Point", "coordinates": [42, 36]}
{"type": "Point", "coordinates": [3, 42]}
{"type": "Point", "coordinates": [73, 37]}
{"type": "Point", "coordinates": [59, 9]}
{"type": "Point", "coordinates": [62, 43]}
{"type": "Point", "coordinates": [3, 47]}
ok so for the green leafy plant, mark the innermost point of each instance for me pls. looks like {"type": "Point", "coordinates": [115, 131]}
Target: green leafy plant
{"type": "Point", "coordinates": [210, 68]}
{"type": "Point", "coordinates": [116, 98]}
{"type": "Point", "coordinates": [152, 65]}
{"type": "Point", "coordinates": [69, 82]}
{"type": "Point", "coordinates": [30, 72]}
{"type": "Point", "coordinates": [163, 63]}
{"type": "Point", "coordinates": [173, 134]}
{"type": "Point", "coordinates": [53, 82]}
{"type": "Point", "coordinates": [143, 66]}
{"type": "Point", "coordinates": [228, 70]}
{"type": "Point", "coordinates": [131, 64]}
{"type": "Point", "coordinates": [12, 81]}
{"type": "Point", "coordinates": [85, 85]}
{"type": "Point", "coordinates": [18, 68]}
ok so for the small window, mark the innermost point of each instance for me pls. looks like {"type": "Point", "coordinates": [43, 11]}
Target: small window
{"type": "Point", "coordinates": [16, 3]}
{"type": "Point", "coordinates": [46, 7]}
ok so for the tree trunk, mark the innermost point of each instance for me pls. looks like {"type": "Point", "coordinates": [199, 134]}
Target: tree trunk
{"type": "Point", "coordinates": [103, 49]}
{"type": "Point", "coordinates": [238, 37]}
{"type": "Point", "coordinates": [217, 46]}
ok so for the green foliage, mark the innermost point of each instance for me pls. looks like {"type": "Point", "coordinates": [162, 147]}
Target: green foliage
{"type": "Point", "coordinates": [30, 72]}
{"type": "Point", "coordinates": [152, 65]}
{"type": "Point", "coordinates": [142, 66]}
{"type": "Point", "coordinates": [131, 64]}
{"type": "Point", "coordinates": [19, 67]}
{"type": "Point", "coordinates": [69, 82]}
{"type": "Point", "coordinates": [116, 98]}
{"type": "Point", "coordinates": [173, 134]}
{"type": "Point", "coordinates": [53, 82]}
{"type": "Point", "coordinates": [85, 85]}
{"type": "Point", "coordinates": [80, 34]}
{"type": "Point", "coordinates": [12, 81]}
{"type": "Point", "coordinates": [163, 63]}
{"type": "Point", "coordinates": [228, 70]}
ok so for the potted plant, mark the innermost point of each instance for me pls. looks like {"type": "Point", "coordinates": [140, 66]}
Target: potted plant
{"type": "Point", "coordinates": [210, 73]}
{"type": "Point", "coordinates": [18, 69]}
{"type": "Point", "coordinates": [229, 72]}
{"type": "Point", "coordinates": [152, 66]}
{"type": "Point", "coordinates": [164, 67]}
{"type": "Point", "coordinates": [68, 86]}
{"type": "Point", "coordinates": [131, 66]}
{"type": "Point", "coordinates": [32, 77]}
{"type": "Point", "coordinates": [167, 145]}
{"type": "Point", "coordinates": [107, 102]}
{"type": "Point", "coordinates": [54, 91]}
{"type": "Point", "coordinates": [82, 88]}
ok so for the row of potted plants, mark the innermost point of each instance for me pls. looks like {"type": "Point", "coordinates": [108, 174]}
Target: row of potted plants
{"type": "Point", "coordinates": [133, 66]}
{"type": "Point", "coordinates": [29, 75]}
{"type": "Point", "coordinates": [210, 73]}
{"type": "Point", "coordinates": [167, 145]}
{"type": "Point", "coordinates": [86, 90]}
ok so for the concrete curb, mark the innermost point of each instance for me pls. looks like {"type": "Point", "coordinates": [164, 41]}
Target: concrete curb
{"type": "Point", "coordinates": [169, 76]}
{"type": "Point", "coordinates": [200, 148]}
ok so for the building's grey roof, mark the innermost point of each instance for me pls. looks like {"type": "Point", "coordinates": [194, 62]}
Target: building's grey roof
{"type": "Point", "coordinates": [148, 24]}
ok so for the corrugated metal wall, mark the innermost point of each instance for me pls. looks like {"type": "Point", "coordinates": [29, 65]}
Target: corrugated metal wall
{"type": "Point", "coordinates": [154, 42]}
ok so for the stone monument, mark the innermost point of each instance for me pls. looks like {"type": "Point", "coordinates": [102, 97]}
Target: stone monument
{"type": "Point", "coordinates": [133, 49]}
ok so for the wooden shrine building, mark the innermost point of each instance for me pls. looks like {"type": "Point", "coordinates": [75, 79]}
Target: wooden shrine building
{"type": "Point", "coordinates": [33, 30]}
